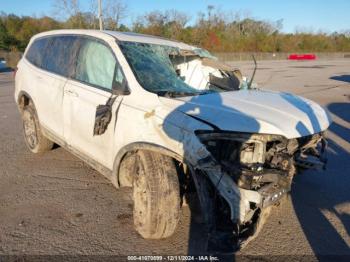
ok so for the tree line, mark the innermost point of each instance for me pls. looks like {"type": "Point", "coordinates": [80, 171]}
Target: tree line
{"type": "Point", "coordinates": [213, 29]}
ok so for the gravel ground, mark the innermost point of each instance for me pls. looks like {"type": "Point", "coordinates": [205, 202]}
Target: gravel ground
{"type": "Point", "coordinates": [54, 204]}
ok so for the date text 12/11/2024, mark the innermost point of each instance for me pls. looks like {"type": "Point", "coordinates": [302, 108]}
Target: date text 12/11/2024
{"type": "Point", "coordinates": [172, 258]}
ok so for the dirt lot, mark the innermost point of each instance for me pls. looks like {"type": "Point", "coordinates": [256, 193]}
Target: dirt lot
{"type": "Point", "coordinates": [56, 204]}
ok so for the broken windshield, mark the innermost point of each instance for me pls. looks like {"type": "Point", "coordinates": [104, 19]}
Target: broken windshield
{"type": "Point", "coordinates": [154, 70]}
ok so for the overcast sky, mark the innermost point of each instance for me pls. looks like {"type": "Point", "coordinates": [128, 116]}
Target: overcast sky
{"type": "Point", "coordinates": [327, 15]}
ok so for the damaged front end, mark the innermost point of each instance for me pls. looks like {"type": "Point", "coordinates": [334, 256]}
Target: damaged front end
{"type": "Point", "coordinates": [249, 173]}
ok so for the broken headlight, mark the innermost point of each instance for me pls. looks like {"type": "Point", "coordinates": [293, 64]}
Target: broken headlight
{"type": "Point", "coordinates": [238, 148]}
{"type": "Point", "coordinates": [246, 158]}
{"type": "Point", "coordinates": [235, 150]}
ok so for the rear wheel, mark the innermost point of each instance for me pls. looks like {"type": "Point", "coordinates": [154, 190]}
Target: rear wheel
{"type": "Point", "coordinates": [156, 195]}
{"type": "Point", "coordinates": [33, 137]}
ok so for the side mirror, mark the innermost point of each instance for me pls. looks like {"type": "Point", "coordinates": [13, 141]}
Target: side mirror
{"type": "Point", "coordinates": [120, 89]}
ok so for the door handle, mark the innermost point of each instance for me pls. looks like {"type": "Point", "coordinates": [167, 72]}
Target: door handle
{"type": "Point", "coordinates": [71, 93]}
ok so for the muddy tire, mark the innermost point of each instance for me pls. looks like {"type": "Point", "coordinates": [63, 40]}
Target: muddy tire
{"type": "Point", "coordinates": [33, 137]}
{"type": "Point", "coordinates": [156, 195]}
{"type": "Point", "coordinates": [127, 170]}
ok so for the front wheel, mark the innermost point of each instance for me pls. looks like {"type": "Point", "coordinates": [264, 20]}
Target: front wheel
{"type": "Point", "coordinates": [156, 194]}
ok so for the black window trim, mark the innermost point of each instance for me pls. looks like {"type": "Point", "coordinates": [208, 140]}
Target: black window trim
{"type": "Point", "coordinates": [72, 77]}
{"type": "Point", "coordinates": [76, 60]}
{"type": "Point", "coordinates": [50, 37]}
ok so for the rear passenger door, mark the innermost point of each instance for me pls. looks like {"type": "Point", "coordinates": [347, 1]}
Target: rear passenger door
{"type": "Point", "coordinates": [52, 57]}
{"type": "Point", "coordinates": [96, 66]}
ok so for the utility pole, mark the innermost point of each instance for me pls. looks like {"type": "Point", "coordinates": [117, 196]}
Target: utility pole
{"type": "Point", "coordinates": [100, 14]}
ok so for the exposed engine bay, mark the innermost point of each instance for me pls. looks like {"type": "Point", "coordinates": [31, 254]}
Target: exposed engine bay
{"type": "Point", "coordinates": [205, 73]}
{"type": "Point", "coordinates": [259, 163]}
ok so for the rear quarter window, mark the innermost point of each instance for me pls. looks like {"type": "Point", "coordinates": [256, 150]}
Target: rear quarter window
{"type": "Point", "coordinates": [36, 52]}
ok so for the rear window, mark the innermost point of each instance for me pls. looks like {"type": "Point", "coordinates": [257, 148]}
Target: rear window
{"type": "Point", "coordinates": [82, 58]}
{"type": "Point", "coordinates": [60, 56]}
{"type": "Point", "coordinates": [55, 54]}
{"type": "Point", "coordinates": [36, 52]}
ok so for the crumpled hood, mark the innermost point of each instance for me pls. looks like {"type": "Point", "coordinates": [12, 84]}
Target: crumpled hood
{"type": "Point", "coordinates": [255, 111]}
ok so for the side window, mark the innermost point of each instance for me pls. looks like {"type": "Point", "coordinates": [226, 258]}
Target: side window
{"type": "Point", "coordinates": [61, 55]}
{"type": "Point", "coordinates": [36, 52]}
{"type": "Point", "coordinates": [96, 65]}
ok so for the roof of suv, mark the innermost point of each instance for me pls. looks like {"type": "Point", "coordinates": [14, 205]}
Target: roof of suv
{"type": "Point", "coordinates": [141, 38]}
{"type": "Point", "coordinates": [123, 36]}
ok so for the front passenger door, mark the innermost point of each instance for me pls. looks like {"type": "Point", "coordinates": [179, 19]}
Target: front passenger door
{"type": "Point", "coordinates": [96, 67]}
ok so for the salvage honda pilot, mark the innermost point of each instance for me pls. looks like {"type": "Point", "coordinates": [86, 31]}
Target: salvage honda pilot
{"type": "Point", "coordinates": [169, 120]}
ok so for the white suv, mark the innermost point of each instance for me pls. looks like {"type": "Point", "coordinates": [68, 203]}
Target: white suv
{"type": "Point", "coordinates": [167, 119]}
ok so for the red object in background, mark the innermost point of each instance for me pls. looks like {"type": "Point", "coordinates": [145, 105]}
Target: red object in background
{"type": "Point", "coordinates": [302, 57]}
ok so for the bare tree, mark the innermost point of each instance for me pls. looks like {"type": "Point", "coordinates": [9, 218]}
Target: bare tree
{"type": "Point", "coordinates": [176, 22]}
{"type": "Point", "coordinates": [93, 9]}
{"type": "Point", "coordinates": [114, 12]}
{"type": "Point", "coordinates": [169, 23]}
{"type": "Point", "coordinates": [178, 17]}
{"type": "Point", "coordinates": [71, 11]}
{"type": "Point", "coordinates": [66, 8]}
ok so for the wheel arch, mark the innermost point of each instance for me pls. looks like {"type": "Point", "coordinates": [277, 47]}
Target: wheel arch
{"type": "Point", "coordinates": [135, 146]}
{"type": "Point", "coordinates": [24, 99]}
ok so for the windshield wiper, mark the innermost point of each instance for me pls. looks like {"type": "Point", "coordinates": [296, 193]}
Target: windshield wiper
{"type": "Point", "coordinates": [172, 94]}
{"type": "Point", "coordinates": [205, 92]}
{"type": "Point", "coordinates": [175, 93]}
